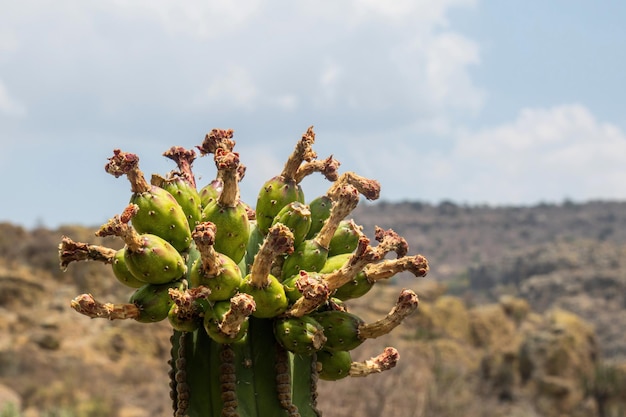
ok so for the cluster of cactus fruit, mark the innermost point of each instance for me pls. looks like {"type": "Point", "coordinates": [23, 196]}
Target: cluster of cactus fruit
{"type": "Point", "coordinates": [255, 297]}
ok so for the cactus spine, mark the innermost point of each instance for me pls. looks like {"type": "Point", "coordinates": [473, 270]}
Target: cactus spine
{"type": "Point", "coordinates": [249, 293]}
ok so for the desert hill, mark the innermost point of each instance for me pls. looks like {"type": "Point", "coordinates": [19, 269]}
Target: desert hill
{"type": "Point", "coordinates": [522, 314]}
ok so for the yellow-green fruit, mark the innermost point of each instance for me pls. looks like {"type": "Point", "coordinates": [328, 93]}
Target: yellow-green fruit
{"type": "Point", "coordinates": [274, 195]}
{"type": "Point", "coordinates": [297, 217]}
{"type": "Point", "coordinates": [160, 214]}
{"type": "Point", "coordinates": [309, 256]}
{"type": "Point", "coordinates": [187, 197]}
{"type": "Point", "coordinates": [182, 324]}
{"type": "Point", "coordinates": [356, 287]}
{"type": "Point", "coordinates": [154, 301]}
{"type": "Point", "coordinates": [232, 229]}
{"type": "Point", "coordinates": [341, 329]}
{"type": "Point", "coordinates": [302, 335]}
{"type": "Point", "coordinates": [214, 316]}
{"type": "Point", "coordinates": [270, 299]}
{"type": "Point", "coordinates": [121, 272]}
{"type": "Point", "coordinates": [223, 285]}
{"type": "Point", "coordinates": [332, 366]}
{"type": "Point", "coordinates": [157, 262]}
{"type": "Point", "coordinates": [320, 212]}
{"type": "Point", "coordinates": [345, 239]}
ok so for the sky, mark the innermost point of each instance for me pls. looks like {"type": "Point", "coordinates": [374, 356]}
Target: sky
{"type": "Point", "coordinates": [476, 102]}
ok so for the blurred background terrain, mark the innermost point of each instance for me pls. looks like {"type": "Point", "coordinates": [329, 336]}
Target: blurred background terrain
{"type": "Point", "coordinates": [522, 314]}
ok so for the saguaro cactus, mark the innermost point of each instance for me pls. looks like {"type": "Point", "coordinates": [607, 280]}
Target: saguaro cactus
{"type": "Point", "coordinates": [255, 297]}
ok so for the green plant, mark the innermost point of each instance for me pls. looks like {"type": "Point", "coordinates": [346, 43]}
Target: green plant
{"type": "Point", "coordinates": [255, 296]}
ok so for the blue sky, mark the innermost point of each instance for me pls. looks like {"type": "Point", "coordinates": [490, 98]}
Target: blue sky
{"type": "Point", "coordinates": [473, 101]}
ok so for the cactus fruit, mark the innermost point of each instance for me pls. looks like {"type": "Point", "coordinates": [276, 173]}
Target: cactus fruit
{"type": "Point", "coordinates": [254, 297]}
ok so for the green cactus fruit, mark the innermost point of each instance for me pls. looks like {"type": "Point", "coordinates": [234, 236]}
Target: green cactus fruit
{"type": "Point", "coordinates": [212, 319]}
{"type": "Point", "coordinates": [254, 243]}
{"type": "Point", "coordinates": [180, 322]}
{"type": "Point", "coordinates": [275, 194]}
{"type": "Point", "coordinates": [291, 291]}
{"type": "Point", "coordinates": [233, 229]}
{"type": "Point", "coordinates": [223, 285]}
{"type": "Point", "coordinates": [302, 335]}
{"type": "Point", "coordinates": [185, 194]}
{"type": "Point", "coordinates": [341, 329]}
{"type": "Point", "coordinates": [297, 217]}
{"type": "Point", "coordinates": [320, 212]}
{"type": "Point", "coordinates": [156, 262]}
{"type": "Point", "coordinates": [211, 192]}
{"type": "Point", "coordinates": [154, 301]}
{"type": "Point", "coordinates": [212, 269]}
{"type": "Point", "coordinates": [271, 300]}
{"type": "Point", "coordinates": [345, 239]}
{"type": "Point", "coordinates": [160, 214]}
{"type": "Point", "coordinates": [122, 273]}
{"type": "Point", "coordinates": [267, 291]}
{"type": "Point", "coordinates": [334, 365]}
{"type": "Point", "coordinates": [357, 287]}
{"type": "Point", "coordinates": [228, 213]}
{"type": "Point", "coordinates": [308, 256]}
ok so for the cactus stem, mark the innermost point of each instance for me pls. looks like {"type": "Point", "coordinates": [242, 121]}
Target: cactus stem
{"type": "Point", "coordinates": [228, 381]}
{"type": "Point", "coordinates": [407, 303]}
{"type": "Point", "coordinates": [314, 291]}
{"type": "Point", "coordinates": [302, 152]}
{"type": "Point", "coordinates": [123, 163]}
{"type": "Point", "coordinates": [87, 305]}
{"type": "Point", "coordinates": [383, 362]}
{"type": "Point", "coordinates": [314, 381]}
{"type": "Point", "coordinates": [184, 159]}
{"type": "Point", "coordinates": [347, 200]}
{"type": "Point", "coordinates": [182, 389]}
{"type": "Point", "coordinates": [283, 382]}
{"type": "Point", "coordinates": [204, 236]}
{"type": "Point", "coordinates": [70, 251]}
{"type": "Point", "coordinates": [328, 167]}
{"type": "Point", "coordinates": [227, 163]}
{"type": "Point", "coordinates": [241, 307]}
{"type": "Point", "coordinates": [278, 241]}
{"type": "Point", "coordinates": [417, 265]}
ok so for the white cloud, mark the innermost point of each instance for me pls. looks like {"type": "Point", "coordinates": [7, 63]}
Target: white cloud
{"type": "Point", "coordinates": [8, 105]}
{"type": "Point", "coordinates": [202, 19]}
{"type": "Point", "coordinates": [235, 87]}
{"type": "Point", "coordinates": [545, 154]}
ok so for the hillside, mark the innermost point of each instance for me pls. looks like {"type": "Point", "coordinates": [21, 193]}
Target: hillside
{"type": "Point", "coordinates": [520, 315]}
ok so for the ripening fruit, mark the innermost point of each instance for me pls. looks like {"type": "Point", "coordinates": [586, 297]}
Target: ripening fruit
{"type": "Point", "coordinates": [297, 217]}
{"type": "Point", "coordinates": [160, 214]}
{"type": "Point", "coordinates": [223, 285]}
{"type": "Point", "coordinates": [335, 365]}
{"type": "Point", "coordinates": [275, 194]}
{"type": "Point", "coordinates": [270, 299]}
{"type": "Point", "coordinates": [156, 262]}
{"type": "Point", "coordinates": [341, 329]}
{"type": "Point", "coordinates": [212, 319]}
{"type": "Point", "coordinates": [154, 301]}
{"type": "Point", "coordinates": [121, 272]}
{"type": "Point", "coordinates": [302, 335]}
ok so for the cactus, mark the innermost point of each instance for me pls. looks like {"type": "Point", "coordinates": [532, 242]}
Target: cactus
{"type": "Point", "coordinates": [254, 296]}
